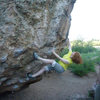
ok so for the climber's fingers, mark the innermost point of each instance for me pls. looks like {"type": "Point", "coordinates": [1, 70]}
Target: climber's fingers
{"type": "Point", "coordinates": [67, 41]}
{"type": "Point", "coordinates": [51, 50]}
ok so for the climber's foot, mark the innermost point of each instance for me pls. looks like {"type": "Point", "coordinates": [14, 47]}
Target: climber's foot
{"type": "Point", "coordinates": [35, 55]}
{"type": "Point", "coordinates": [30, 76]}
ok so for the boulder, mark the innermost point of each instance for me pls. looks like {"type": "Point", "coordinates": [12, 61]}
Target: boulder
{"type": "Point", "coordinates": [28, 26]}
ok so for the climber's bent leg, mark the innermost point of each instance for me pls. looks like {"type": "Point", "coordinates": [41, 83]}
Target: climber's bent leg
{"type": "Point", "coordinates": [48, 61]}
{"type": "Point", "coordinates": [54, 66]}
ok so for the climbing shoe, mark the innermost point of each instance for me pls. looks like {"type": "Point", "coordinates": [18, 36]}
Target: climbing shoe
{"type": "Point", "coordinates": [35, 55]}
{"type": "Point", "coordinates": [30, 76]}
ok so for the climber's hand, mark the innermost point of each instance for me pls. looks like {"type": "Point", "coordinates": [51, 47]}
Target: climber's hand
{"type": "Point", "coordinates": [51, 51]}
{"type": "Point", "coordinates": [67, 41]}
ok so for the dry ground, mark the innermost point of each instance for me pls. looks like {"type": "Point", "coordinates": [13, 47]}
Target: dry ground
{"type": "Point", "coordinates": [55, 87]}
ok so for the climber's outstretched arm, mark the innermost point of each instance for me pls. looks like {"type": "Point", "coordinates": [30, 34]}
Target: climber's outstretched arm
{"type": "Point", "coordinates": [69, 44]}
{"type": "Point", "coordinates": [63, 60]}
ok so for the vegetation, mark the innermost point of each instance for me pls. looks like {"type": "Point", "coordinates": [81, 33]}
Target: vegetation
{"type": "Point", "coordinates": [95, 42]}
{"type": "Point", "coordinates": [90, 56]}
{"type": "Point", "coordinates": [83, 47]}
{"type": "Point", "coordinates": [83, 69]}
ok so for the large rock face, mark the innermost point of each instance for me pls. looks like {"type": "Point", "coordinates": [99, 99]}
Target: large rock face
{"type": "Point", "coordinates": [27, 26]}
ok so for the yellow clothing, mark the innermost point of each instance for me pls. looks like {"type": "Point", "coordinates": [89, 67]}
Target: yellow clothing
{"type": "Point", "coordinates": [67, 57]}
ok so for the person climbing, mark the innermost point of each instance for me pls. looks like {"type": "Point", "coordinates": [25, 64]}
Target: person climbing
{"type": "Point", "coordinates": [61, 65]}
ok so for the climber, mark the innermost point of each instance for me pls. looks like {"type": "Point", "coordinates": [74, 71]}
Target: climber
{"type": "Point", "coordinates": [61, 66]}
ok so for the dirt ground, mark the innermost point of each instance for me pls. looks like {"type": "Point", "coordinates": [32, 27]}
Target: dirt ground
{"type": "Point", "coordinates": [55, 86]}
